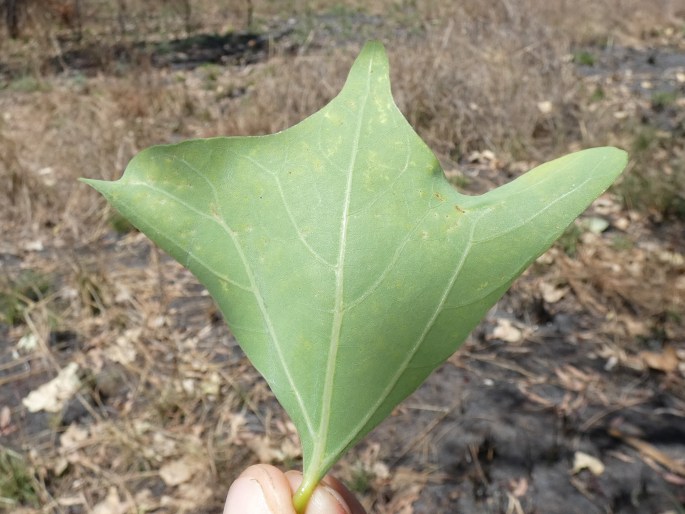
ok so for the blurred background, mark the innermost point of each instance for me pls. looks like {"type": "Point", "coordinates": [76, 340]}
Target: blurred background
{"type": "Point", "coordinates": [122, 390]}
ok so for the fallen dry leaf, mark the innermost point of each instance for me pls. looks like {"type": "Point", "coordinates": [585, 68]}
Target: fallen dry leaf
{"type": "Point", "coordinates": [28, 342]}
{"type": "Point", "coordinates": [123, 350]}
{"type": "Point", "coordinates": [583, 461]}
{"type": "Point", "coordinates": [71, 442]}
{"type": "Point", "coordinates": [666, 360]}
{"type": "Point", "coordinates": [545, 107]}
{"type": "Point", "coordinates": [59, 466]}
{"type": "Point", "coordinates": [506, 331]}
{"type": "Point", "coordinates": [5, 417]}
{"type": "Point", "coordinates": [380, 470]}
{"type": "Point", "coordinates": [34, 246]}
{"type": "Point", "coordinates": [179, 471]}
{"type": "Point", "coordinates": [146, 501]}
{"type": "Point", "coordinates": [672, 258]}
{"type": "Point", "coordinates": [634, 327]}
{"type": "Point", "coordinates": [552, 294]}
{"type": "Point", "coordinates": [72, 437]}
{"type": "Point", "coordinates": [112, 504]}
{"type": "Point", "coordinates": [211, 384]}
{"type": "Point", "coordinates": [265, 449]}
{"type": "Point", "coordinates": [486, 156]}
{"type": "Point", "coordinates": [52, 396]}
{"type": "Point", "coordinates": [595, 224]}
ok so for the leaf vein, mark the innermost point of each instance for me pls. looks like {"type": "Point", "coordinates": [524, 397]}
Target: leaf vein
{"type": "Point", "coordinates": [535, 215]}
{"type": "Point", "coordinates": [190, 253]}
{"type": "Point", "coordinates": [381, 277]}
{"type": "Point", "coordinates": [289, 212]}
{"type": "Point", "coordinates": [388, 186]}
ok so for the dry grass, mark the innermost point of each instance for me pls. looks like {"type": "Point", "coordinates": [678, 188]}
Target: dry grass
{"type": "Point", "coordinates": [470, 79]}
{"type": "Point", "coordinates": [163, 383]}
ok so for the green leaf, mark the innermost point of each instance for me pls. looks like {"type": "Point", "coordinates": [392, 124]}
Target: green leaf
{"type": "Point", "coordinates": [343, 261]}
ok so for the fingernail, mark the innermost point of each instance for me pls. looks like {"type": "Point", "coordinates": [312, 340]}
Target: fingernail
{"type": "Point", "coordinates": [327, 500]}
{"type": "Point", "coordinates": [246, 495]}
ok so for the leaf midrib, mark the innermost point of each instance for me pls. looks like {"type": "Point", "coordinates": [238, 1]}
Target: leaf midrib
{"type": "Point", "coordinates": [338, 309]}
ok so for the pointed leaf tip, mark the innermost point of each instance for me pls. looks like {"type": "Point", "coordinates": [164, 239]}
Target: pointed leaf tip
{"type": "Point", "coordinates": [373, 49]}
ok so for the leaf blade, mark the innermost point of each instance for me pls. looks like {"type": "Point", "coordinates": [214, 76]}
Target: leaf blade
{"type": "Point", "coordinates": [345, 264]}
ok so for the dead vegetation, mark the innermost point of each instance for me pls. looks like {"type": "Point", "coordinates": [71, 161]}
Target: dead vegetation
{"type": "Point", "coordinates": [157, 409]}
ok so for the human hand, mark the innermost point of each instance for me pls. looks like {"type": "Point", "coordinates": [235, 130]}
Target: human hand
{"type": "Point", "coordinates": [264, 489]}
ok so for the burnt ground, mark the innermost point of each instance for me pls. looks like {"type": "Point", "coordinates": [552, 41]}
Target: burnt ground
{"type": "Point", "coordinates": [569, 398]}
{"type": "Point", "coordinates": [501, 424]}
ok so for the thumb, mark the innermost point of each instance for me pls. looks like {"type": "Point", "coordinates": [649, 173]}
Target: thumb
{"type": "Point", "coordinates": [263, 489]}
{"type": "Point", "coordinates": [260, 489]}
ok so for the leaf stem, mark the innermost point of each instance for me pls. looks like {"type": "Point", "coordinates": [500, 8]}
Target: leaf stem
{"type": "Point", "coordinates": [304, 493]}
